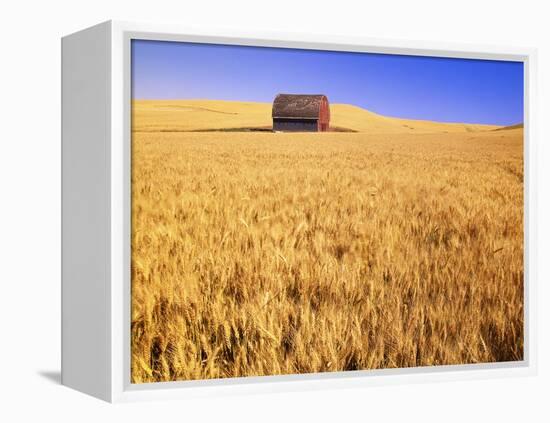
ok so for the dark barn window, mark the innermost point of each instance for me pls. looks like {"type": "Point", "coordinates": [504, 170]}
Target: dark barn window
{"type": "Point", "coordinates": [301, 113]}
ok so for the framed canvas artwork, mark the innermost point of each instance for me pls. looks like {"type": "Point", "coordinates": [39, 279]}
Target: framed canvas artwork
{"type": "Point", "coordinates": [264, 212]}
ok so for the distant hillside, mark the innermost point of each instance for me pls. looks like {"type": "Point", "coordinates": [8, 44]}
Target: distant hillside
{"type": "Point", "coordinates": [208, 115]}
{"type": "Point", "coordinates": [362, 120]}
{"type": "Point", "coordinates": [504, 128]}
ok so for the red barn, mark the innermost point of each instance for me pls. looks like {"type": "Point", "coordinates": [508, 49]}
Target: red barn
{"type": "Point", "coordinates": [301, 113]}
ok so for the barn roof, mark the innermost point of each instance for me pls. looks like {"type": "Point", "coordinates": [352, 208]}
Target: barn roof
{"type": "Point", "coordinates": [297, 106]}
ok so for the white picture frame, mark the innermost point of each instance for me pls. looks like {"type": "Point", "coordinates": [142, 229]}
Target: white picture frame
{"type": "Point", "coordinates": [96, 213]}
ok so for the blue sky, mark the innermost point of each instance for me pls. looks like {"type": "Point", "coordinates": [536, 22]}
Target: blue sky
{"type": "Point", "coordinates": [441, 89]}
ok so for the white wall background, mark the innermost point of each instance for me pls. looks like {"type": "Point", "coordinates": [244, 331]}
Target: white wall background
{"type": "Point", "coordinates": [30, 206]}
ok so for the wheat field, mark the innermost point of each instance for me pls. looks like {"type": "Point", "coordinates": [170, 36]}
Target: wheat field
{"type": "Point", "coordinates": [274, 253]}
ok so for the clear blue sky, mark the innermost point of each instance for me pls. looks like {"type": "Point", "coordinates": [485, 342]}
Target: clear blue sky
{"type": "Point", "coordinates": [441, 89]}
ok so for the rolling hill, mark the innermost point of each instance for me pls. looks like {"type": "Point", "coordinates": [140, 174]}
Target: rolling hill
{"type": "Point", "coordinates": [218, 115]}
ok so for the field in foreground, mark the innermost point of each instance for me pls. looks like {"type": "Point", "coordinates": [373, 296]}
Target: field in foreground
{"type": "Point", "coordinates": [263, 254]}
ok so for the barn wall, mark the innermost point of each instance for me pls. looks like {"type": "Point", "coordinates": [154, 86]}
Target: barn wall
{"type": "Point", "coordinates": [295, 125]}
{"type": "Point", "coordinates": [324, 113]}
